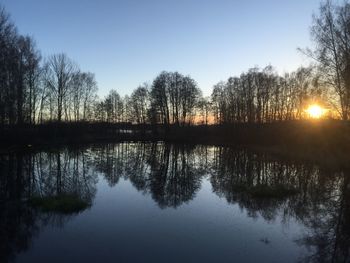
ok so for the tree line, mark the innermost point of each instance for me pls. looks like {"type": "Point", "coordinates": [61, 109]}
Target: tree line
{"type": "Point", "coordinates": [35, 90]}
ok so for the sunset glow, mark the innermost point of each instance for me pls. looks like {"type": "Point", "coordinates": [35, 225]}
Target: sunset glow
{"type": "Point", "coordinates": [315, 111]}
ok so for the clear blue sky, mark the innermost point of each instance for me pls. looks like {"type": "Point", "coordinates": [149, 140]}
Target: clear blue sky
{"type": "Point", "coordinates": [129, 42]}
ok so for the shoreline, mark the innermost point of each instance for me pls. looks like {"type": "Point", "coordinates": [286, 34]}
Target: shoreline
{"type": "Point", "coordinates": [324, 142]}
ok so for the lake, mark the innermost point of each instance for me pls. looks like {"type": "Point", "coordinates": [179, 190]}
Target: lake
{"type": "Point", "coordinates": [157, 202]}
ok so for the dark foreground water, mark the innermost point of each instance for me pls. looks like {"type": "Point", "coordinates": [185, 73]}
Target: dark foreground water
{"type": "Point", "coordinates": [172, 203]}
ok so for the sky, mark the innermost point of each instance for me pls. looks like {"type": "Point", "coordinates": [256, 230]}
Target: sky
{"type": "Point", "coordinates": [126, 43]}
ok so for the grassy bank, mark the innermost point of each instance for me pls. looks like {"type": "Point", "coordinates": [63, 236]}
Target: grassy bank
{"type": "Point", "coordinates": [326, 140]}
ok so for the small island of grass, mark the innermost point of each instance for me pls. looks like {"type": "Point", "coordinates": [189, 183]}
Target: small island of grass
{"type": "Point", "coordinates": [64, 204]}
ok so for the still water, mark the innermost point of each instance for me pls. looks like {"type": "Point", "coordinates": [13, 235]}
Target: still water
{"type": "Point", "coordinates": [172, 203]}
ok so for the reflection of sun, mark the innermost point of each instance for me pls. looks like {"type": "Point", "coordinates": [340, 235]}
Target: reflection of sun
{"type": "Point", "coordinates": [315, 111]}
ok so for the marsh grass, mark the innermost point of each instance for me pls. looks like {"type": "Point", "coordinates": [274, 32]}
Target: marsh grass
{"type": "Point", "coordinates": [278, 191]}
{"type": "Point", "coordinates": [64, 204]}
{"type": "Point", "coordinates": [264, 191]}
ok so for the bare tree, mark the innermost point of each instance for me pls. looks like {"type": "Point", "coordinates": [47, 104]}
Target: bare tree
{"type": "Point", "coordinates": [140, 103]}
{"type": "Point", "coordinates": [174, 98]}
{"type": "Point", "coordinates": [331, 34]}
{"type": "Point", "coordinates": [89, 96]}
{"type": "Point", "coordinates": [59, 79]}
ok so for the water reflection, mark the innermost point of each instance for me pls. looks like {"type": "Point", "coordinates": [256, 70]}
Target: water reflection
{"type": "Point", "coordinates": [39, 174]}
{"type": "Point", "coordinates": [172, 175]}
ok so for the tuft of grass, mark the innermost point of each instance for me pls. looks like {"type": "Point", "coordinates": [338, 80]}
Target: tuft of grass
{"type": "Point", "coordinates": [64, 204]}
{"type": "Point", "coordinates": [278, 191]}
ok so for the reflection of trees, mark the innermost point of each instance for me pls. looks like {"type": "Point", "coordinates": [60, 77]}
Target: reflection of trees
{"type": "Point", "coordinates": [322, 203]}
{"type": "Point", "coordinates": [110, 160]}
{"type": "Point", "coordinates": [18, 225]}
{"type": "Point", "coordinates": [174, 174]}
{"type": "Point", "coordinates": [64, 172]}
{"type": "Point", "coordinates": [138, 169]}
{"type": "Point", "coordinates": [170, 173]}
{"type": "Point", "coordinates": [234, 172]}
{"type": "Point", "coordinates": [328, 222]}
{"type": "Point", "coordinates": [38, 174]}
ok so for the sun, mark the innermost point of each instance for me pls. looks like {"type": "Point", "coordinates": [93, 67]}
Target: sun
{"type": "Point", "coordinates": [315, 111]}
